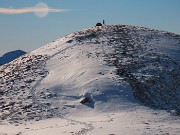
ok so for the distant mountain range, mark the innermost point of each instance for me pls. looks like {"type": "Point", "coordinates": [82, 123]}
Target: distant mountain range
{"type": "Point", "coordinates": [10, 56]}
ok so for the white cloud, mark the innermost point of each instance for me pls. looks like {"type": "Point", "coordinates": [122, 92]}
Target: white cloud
{"type": "Point", "coordinates": [29, 10]}
{"type": "Point", "coordinates": [41, 10]}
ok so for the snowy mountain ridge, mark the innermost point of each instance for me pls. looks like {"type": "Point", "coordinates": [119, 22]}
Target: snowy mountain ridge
{"type": "Point", "coordinates": [97, 71]}
{"type": "Point", "coordinates": [143, 46]}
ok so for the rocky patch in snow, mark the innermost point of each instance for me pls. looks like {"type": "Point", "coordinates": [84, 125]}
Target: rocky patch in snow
{"type": "Point", "coordinates": [154, 76]}
{"type": "Point", "coordinates": [17, 90]}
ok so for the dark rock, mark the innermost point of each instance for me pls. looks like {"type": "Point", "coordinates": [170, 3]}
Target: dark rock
{"type": "Point", "coordinates": [86, 100]}
{"type": "Point", "coordinates": [27, 106]}
{"type": "Point", "coordinates": [69, 41]}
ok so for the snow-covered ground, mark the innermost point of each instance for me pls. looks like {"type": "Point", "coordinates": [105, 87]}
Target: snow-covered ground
{"type": "Point", "coordinates": [138, 121]}
{"type": "Point", "coordinates": [110, 80]}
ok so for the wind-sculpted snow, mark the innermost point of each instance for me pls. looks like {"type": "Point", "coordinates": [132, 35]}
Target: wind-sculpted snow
{"type": "Point", "coordinates": [147, 59]}
{"type": "Point", "coordinates": [111, 71]}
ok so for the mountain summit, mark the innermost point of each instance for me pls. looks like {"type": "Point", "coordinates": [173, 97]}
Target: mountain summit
{"type": "Point", "coordinates": [118, 73]}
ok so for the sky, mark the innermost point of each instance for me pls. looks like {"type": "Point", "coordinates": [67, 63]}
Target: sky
{"type": "Point", "coordinates": [30, 24]}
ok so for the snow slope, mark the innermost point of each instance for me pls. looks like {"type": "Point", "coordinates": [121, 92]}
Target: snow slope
{"type": "Point", "coordinates": [10, 56]}
{"type": "Point", "coordinates": [114, 80]}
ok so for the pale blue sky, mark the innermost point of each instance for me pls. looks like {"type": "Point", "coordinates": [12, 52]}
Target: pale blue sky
{"type": "Point", "coordinates": [27, 31]}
